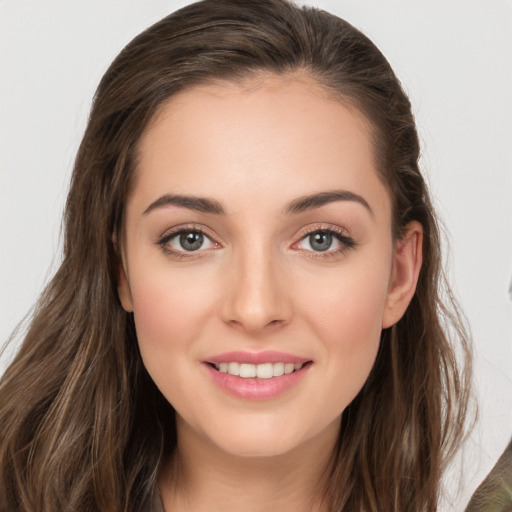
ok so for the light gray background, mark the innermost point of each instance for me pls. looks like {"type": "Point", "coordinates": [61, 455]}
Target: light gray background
{"type": "Point", "coordinates": [454, 59]}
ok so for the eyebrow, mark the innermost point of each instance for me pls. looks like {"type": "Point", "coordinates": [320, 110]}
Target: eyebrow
{"type": "Point", "coordinates": [200, 204]}
{"type": "Point", "coordinates": [299, 205]}
{"type": "Point", "coordinates": [310, 202]}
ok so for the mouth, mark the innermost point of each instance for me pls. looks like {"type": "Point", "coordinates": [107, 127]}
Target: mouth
{"type": "Point", "coordinates": [257, 375]}
{"type": "Point", "coordinates": [267, 370]}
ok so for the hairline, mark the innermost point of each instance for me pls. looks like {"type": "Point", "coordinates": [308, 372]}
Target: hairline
{"type": "Point", "coordinates": [251, 80]}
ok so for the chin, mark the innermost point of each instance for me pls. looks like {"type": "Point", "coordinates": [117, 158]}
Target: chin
{"type": "Point", "coordinates": [260, 447]}
{"type": "Point", "coordinates": [262, 437]}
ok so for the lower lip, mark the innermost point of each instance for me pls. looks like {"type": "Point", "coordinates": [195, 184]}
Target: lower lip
{"type": "Point", "coordinates": [257, 389]}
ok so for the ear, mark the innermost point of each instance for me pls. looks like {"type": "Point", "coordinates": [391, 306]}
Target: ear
{"type": "Point", "coordinates": [407, 260]}
{"type": "Point", "coordinates": [123, 285]}
{"type": "Point", "coordinates": [123, 290]}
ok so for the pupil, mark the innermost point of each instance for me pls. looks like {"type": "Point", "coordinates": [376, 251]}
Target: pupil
{"type": "Point", "coordinates": [191, 241]}
{"type": "Point", "coordinates": [320, 241]}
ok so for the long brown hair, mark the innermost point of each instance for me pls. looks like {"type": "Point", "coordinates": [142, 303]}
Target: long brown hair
{"type": "Point", "coordinates": [82, 425]}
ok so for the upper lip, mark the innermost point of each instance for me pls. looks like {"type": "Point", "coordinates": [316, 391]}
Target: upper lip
{"type": "Point", "coordinates": [268, 356]}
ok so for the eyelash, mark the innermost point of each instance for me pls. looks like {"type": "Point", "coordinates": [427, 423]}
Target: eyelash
{"type": "Point", "coordinates": [346, 241]}
{"type": "Point", "coordinates": [163, 241]}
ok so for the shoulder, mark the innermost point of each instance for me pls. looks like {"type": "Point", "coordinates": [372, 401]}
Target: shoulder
{"type": "Point", "coordinates": [156, 504]}
{"type": "Point", "coordinates": [495, 493]}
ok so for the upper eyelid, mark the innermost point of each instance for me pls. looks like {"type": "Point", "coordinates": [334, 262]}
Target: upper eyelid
{"type": "Point", "coordinates": [164, 242]}
{"type": "Point", "coordinates": [313, 228]}
{"type": "Point", "coordinates": [300, 234]}
{"type": "Point", "coordinates": [341, 234]}
{"type": "Point", "coordinates": [176, 230]}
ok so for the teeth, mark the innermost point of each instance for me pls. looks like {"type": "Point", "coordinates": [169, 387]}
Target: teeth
{"type": "Point", "coordinates": [233, 369]}
{"type": "Point", "coordinates": [247, 370]}
{"type": "Point", "coordinates": [278, 369]}
{"type": "Point", "coordinates": [261, 371]}
{"type": "Point", "coordinates": [265, 371]}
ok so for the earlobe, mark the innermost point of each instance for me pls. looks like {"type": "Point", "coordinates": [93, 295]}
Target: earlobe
{"type": "Point", "coordinates": [123, 286]}
{"type": "Point", "coordinates": [123, 290]}
{"type": "Point", "coordinates": [407, 262]}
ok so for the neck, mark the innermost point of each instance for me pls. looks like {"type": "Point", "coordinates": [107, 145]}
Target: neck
{"type": "Point", "coordinates": [202, 477]}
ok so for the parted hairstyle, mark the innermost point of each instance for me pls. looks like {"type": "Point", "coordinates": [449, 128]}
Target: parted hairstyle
{"type": "Point", "coordinates": [82, 425]}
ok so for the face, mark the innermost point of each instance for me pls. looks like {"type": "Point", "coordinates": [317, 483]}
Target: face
{"type": "Point", "coordinates": [259, 263]}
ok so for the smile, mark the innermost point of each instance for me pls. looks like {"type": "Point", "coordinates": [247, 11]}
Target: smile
{"type": "Point", "coordinates": [260, 371]}
{"type": "Point", "coordinates": [257, 376]}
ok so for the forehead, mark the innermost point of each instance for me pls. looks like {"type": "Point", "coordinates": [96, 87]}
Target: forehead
{"type": "Point", "coordinates": [264, 135]}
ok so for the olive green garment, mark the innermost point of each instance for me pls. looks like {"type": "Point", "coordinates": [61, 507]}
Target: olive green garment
{"type": "Point", "coordinates": [495, 493]}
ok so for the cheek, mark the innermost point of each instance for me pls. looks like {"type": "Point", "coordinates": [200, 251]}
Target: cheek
{"type": "Point", "coordinates": [347, 317]}
{"type": "Point", "coordinates": [351, 303]}
{"type": "Point", "coordinates": [169, 312]}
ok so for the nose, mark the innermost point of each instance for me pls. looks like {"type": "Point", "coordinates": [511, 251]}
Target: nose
{"type": "Point", "coordinates": [257, 296]}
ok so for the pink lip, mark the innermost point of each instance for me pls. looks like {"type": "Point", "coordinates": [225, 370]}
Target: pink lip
{"type": "Point", "coordinates": [268, 356]}
{"type": "Point", "coordinates": [254, 388]}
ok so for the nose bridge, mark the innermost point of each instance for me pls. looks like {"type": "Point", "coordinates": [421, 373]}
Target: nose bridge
{"type": "Point", "coordinates": [256, 296]}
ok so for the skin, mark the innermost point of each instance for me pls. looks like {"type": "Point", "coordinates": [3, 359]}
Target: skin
{"type": "Point", "coordinates": [255, 147]}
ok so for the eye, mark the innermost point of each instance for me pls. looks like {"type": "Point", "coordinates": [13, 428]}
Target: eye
{"type": "Point", "coordinates": [189, 241]}
{"type": "Point", "coordinates": [320, 241]}
{"type": "Point", "coordinates": [186, 241]}
{"type": "Point", "coordinates": [325, 241]}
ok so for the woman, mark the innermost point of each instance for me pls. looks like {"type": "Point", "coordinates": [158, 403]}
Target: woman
{"type": "Point", "coordinates": [248, 311]}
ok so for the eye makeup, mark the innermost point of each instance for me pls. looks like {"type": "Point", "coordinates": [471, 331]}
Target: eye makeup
{"type": "Point", "coordinates": [187, 242]}
{"type": "Point", "coordinates": [324, 241]}
{"type": "Point", "coordinates": [192, 241]}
